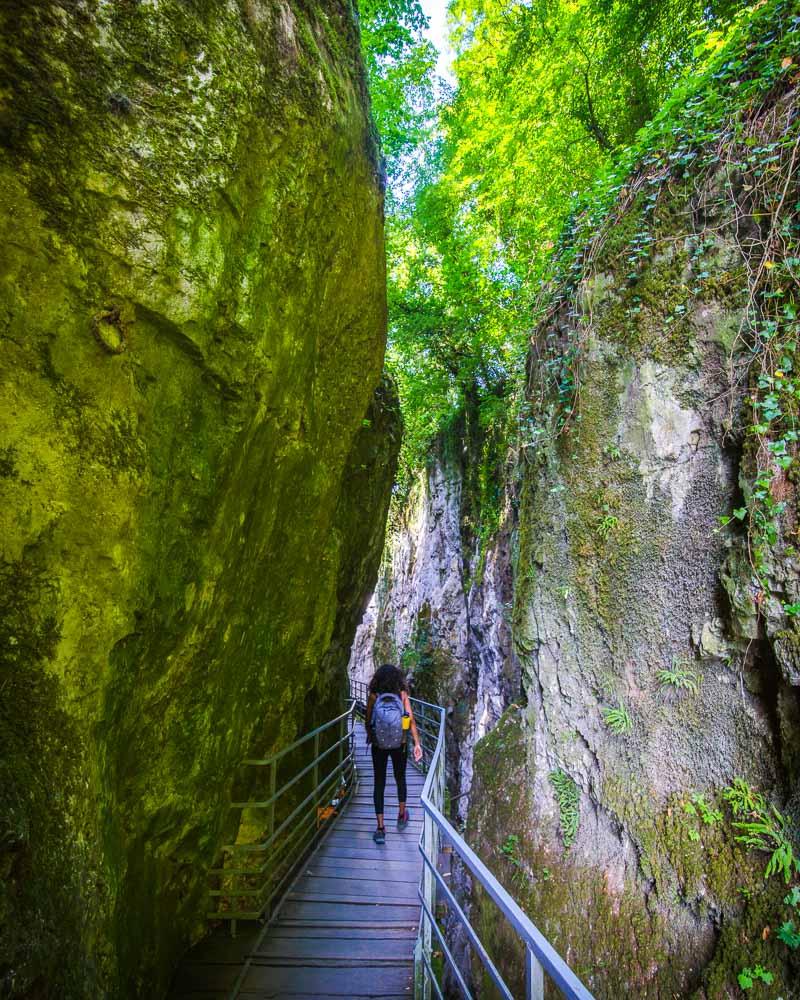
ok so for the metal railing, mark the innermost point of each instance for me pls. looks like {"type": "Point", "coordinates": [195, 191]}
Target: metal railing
{"type": "Point", "coordinates": [540, 957]}
{"type": "Point", "coordinates": [247, 889]}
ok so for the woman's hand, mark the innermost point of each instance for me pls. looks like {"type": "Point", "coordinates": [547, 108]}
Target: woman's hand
{"type": "Point", "coordinates": [417, 752]}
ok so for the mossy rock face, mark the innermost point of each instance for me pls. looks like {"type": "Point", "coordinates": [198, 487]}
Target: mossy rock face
{"type": "Point", "coordinates": [620, 580]}
{"type": "Point", "coordinates": [702, 914]}
{"type": "Point", "coordinates": [194, 464]}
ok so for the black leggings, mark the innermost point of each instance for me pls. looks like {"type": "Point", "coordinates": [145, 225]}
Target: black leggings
{"type": "Point", "coordinates": [380, 758]}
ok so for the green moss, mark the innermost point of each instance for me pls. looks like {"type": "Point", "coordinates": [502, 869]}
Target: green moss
{"type": "Point", "coordinates": [8, 464]}
{"type": "Point", "coordinates": [48, 860]}
{"type": "Point", "coordinates": [613, 950]}
{"type": "Point", "coordinates": [162, 164]}
{"type": "Point", "coordinates": [431, 668]}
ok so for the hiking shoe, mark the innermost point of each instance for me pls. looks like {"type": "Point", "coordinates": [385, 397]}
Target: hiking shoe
{"type": "Point", "coordinates": [379, 836]}
{"type": "Point", "coordinates": [402, 821]}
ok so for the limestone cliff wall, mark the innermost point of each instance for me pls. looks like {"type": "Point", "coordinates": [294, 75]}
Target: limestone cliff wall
{"type": "Point", "coordinates": [194, 463]}
{"type": "Point", "coordinates": [442, 607]}
{"type": "Point", "coordinates": [657, 669]}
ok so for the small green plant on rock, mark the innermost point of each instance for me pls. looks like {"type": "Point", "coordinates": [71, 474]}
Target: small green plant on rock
{"type": "Point", "coordinates": [789, 936]}
{"type": "Point", "coordinates": [618, 720]}
{"type": "Point", "coordinates": [679, 676]}
{"type": "Point", "coordinates": [747, 977]}
{"type": "Point", "coordinates": [787, 932]}
{"type": "Point", "coordinates": [510, 849]}
{"type": "Point", "coordinates": [607, 524]}
{"type": "Point", "coordinates": [700, 809]}
{"type": "Point", "coordinates": [764, 828]}
{"type": "Point", "coordinates": [697, 806]}
{"type": "Point", "coordinates": [568, 798]}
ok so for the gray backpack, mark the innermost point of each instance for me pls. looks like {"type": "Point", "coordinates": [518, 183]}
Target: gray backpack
{"type": "Point", "coordinates": [387, 721]}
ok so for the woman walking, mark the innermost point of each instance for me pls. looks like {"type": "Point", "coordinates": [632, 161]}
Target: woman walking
{"type": "Point", "coordinates": [389, 718]}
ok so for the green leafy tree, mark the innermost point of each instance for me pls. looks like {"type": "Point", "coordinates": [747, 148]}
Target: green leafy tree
{"type": "Point", "coordinates": [549, 93]}
{"type": "Point", "coordinates": [400, 64]}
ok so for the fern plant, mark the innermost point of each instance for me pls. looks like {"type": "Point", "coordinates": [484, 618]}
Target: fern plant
{"type": "Point", "coordinates": [678, 676]}
{"type": "Point", "coordinates": [763, 829]}
{"type": "Point", "coordinates": [787, 931]}
{"type": "Point", "coordinates": [618, 720]}
{"type": "Point", "coordinates": [568, 798]}
{"type": "Point", "coordinates": [748, 977]}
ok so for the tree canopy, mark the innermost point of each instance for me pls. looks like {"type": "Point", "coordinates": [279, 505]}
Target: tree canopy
{"type": "Point", "coordinates": [483, 176]}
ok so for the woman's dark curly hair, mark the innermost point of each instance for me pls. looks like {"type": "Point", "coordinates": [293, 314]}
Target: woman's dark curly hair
{"type": "Point", "coordinates": [388, 679]}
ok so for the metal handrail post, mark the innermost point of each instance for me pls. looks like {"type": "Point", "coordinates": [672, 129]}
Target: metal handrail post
{"type": "Point", "coordinates": [534, 977]}
{"type": "Point", "coordinates": [428, 890]}
{"type": "Point", "coordinates": [315, 770]}
{"type": "Point", "coordinates": [342, 737]}
{"type": "Point", "coordinates": [273, 784]}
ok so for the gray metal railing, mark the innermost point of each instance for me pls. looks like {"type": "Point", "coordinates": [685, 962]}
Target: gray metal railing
{"type": "Point", "coordinates": [246, 889]}
{"type": "Point", "coordinates": [540, 957]}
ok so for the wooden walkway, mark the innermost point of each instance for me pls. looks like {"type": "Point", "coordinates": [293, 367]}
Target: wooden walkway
{"type": "Point", "coordinates": [348, 925]}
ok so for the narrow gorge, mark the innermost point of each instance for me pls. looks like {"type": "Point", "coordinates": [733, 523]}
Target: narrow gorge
{"type": "Point", "coordinates": [326, 342]}
{"type": "Point", "coordinates": [616, 650]}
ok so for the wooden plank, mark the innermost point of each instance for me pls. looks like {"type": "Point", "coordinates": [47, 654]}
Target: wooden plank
{"type": "Point", "coordinates": [368, 818]}
{"type": "Point", "coordinates": [366, 791]}
{"type": "Point", "coordinates": [385, 926]}
{"type": "Point", "coordinates": [390, 801]}
{"type": "Point", "coordinates": [413, 828]}
{"type": "Point", "coordinates": [365, 837]}
{"type": "Point", "coordinates": [259, 995]}
{"type": "Point", "coordinates": [365, 852]}
{"type": "Point", "coordinates": [390, 816]}
{"type": "Point", "coordinates": [413, 791]}
{"type": "Point", "coordinates": [343, 948]}
{"type": "Point", "coordinates": [364, 810]}
{"type": "Point", "coordinates": [362, 910]}
{"type": "Point", "coordinates": [413, 780]}
{"type": "Point", "coordinates": [387, 871]}
{"type": "Point", "coordinates": [354, 894]}
{"type": "Point", "coordinates": [339, 854]}
{"type": "Point", "coordinates": [375, 981]}
{"type": "Point", "coordinates": [369, 826]}
{"type": "Point", "coordinates": [325, 885]}
{"type": "Point", "coordinates": [366, 774]}
{"type": "Point", "coordinates": [350, 932]}
{"type": "Point", "coordinates": [380, 853]}
{"type": "Point", "coordinates": [391, 808]}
